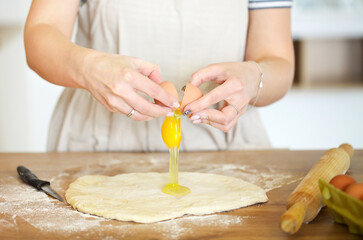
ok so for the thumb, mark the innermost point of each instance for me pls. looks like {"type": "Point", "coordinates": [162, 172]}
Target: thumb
{"type": "Point", "coordinates": [148, 69]}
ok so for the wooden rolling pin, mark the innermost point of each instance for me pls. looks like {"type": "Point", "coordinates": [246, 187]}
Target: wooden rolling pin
{"type": "Point", "coordinates": [305, 201]}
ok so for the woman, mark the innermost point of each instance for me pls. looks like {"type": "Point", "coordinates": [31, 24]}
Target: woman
{"type": "Point", "coordinates": [124, 49]}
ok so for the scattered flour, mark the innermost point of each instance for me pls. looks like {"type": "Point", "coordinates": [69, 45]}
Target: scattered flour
{"type": "Point", "coordinates": [58, 176]}
{"type": "Point", "coordinates": [7, 224]}
{"type": "Point", "coordinates": [39, 210]}
{"type": "Point", "coordinates": [267, 178]}
{"type": "Point", "coordinates": [174, 229]}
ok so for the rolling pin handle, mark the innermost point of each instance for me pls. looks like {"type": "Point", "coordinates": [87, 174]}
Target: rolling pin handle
{"type": "Point", "coordinates": [348, 148]}
{"type": "Point", "coordinates": [292, 219]}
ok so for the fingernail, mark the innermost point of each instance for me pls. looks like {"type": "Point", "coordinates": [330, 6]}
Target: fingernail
{"type": "Point", "coordinates": [195, 117]}
{"type": "Point", "coordinates": [197, 121]}
{"type": "Point", "coordinates": [170, 114]}
{"type": "Point", "coordinates": [176, 105]}
{"type": "Point", "coordinates": [186, 112]}
{"type": "Point", "coordinates": [203, 116]}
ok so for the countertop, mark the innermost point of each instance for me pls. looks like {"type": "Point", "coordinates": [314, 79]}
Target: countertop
{"type": "Point", "coordinates": [31, 214]}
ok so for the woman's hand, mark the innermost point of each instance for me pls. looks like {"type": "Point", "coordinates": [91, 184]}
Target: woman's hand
{"type": "Point", "coordinates": [116, 82]}
{"type": "Point", "coordinates": [238, 86]}
{"type": "Point", "coordinates": [269, 42]}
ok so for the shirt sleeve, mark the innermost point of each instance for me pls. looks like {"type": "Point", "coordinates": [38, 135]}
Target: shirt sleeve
{"type": "Point", "coordinates": [263, 4]}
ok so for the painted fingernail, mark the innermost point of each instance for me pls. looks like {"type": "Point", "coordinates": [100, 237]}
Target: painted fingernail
{"type": "Point", "coordinates": [195, 117]}
{"type": "Point", "coordinates": [197, 121]}
{"type": "Point", "coordinates": [186, 112]}
{"type": "Point", "coordinates": [176, 105]}
{"type": "Point", "coordinates": [203, 116]}
{"type": "Point", "coordinates": [170, 114]}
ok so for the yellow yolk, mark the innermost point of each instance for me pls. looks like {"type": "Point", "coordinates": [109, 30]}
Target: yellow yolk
{"type": "Point", "coordinates": [170, 130]}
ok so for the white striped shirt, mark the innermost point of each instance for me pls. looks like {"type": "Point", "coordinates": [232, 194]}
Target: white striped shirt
{"type": "Point", "coordinates": [263, 4]}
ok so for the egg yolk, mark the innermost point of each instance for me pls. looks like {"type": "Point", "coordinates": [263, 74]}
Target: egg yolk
{"type": "Point", "coordinates": [170, 130]}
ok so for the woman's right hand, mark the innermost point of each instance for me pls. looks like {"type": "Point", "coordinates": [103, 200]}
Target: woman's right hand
{"type": "Point", "coordinates": [116, 82]}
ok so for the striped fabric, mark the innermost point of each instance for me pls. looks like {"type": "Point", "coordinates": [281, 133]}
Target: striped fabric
{"type": "Point", "coordinates": [262, 4]}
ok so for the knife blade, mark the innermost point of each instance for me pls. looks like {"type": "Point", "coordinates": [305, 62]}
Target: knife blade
{"type": "Point", "coordinates": [30, 178]}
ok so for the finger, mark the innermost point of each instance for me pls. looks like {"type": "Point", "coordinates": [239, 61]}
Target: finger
{"type": "Point", "coordinates": [136, 116]}
{"type": "Point", "coordinates": [239, 111]}
{"type": "Point", "coordinates": [208, 117]}
{"type": "Point", "coordinates": [147, 69]}
{"type": "Point", "coordinates": [122, 107]}
{"type": "Point", "coordinates": [213, 72]}
{"type": "Point", "coordinates": [216, 95]}
{"type": "Point", "coordinates": [101, 99]}
{"type": "Point", "coordinates": [230, 125]}
{"type": "Point", "coordinates": [224, 128]}
{"type": "Point", "coordinates": [154, 90]}
{"type": "Point", "coordinates": [145, 107]}
{"type": "Point", "coordinates": [223, 117]}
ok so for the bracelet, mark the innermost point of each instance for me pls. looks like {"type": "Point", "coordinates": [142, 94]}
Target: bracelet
{"type": "Point", "coordinates": [260, 85]}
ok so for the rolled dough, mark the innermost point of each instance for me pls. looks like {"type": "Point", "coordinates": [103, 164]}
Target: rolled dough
{"type": "Point", "coordinates": [138, 197]}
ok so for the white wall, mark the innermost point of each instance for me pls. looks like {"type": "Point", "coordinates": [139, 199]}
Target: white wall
{"type": "Point", "coordinates": [26, 101]}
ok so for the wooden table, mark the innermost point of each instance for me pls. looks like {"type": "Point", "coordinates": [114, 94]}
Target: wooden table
{"type": "Point", "coordinates": [27, 213]}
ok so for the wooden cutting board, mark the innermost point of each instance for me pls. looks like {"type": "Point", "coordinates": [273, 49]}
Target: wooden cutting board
{"type": "Point", "coordinates": [27, 213]}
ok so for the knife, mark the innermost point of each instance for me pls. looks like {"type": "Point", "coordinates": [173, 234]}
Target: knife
{"type": "Point", "coordinates": [28, 177]}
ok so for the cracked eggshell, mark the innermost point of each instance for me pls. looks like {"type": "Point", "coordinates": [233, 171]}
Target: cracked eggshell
{"type": "Point", "coordinates": [191, 94]}
{"type": "Point", "coordinates": [170, 88]}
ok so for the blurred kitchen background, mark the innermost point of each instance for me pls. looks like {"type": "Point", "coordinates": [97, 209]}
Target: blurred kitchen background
{"type": "Point", "coordinates": [323, 109]}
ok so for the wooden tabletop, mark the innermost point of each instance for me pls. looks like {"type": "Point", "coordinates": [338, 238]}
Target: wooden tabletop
{"type": "Point", "coordinates": [28, 213]}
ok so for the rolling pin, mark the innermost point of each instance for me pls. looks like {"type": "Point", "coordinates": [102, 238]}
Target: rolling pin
{"type": "Point", "coordinates": [305, 202]}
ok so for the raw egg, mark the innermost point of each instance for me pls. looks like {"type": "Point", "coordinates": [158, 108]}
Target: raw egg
{"type": "Point", "coordinates": [171, 133]}
{"type": "Point", "coordinates": [342, 181]}
{"type": "Point", "coordinates": [355, 190]}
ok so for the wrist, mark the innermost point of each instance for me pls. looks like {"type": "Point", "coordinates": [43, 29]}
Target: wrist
{"type": "Point", "coordinates": [257, 82]}
{"type": "Point", "coordinates": [80, 59]}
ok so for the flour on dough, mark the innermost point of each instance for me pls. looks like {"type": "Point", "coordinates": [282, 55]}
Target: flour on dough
{"type": "Point", "coordinates": [138, 197]}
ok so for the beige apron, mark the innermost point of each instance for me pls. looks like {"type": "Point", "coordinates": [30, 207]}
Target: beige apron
{"type": "Point", "coordinates": [181, 36]}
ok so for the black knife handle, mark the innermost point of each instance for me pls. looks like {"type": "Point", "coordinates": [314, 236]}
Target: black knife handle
{"type": "Point", "coordinates": [28, 177]}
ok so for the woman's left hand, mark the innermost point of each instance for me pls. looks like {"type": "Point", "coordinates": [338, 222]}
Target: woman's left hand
{"type": "Point", "coordinates": [269, 41]}
{"type": "Point", "coordinates": [238, 86]}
